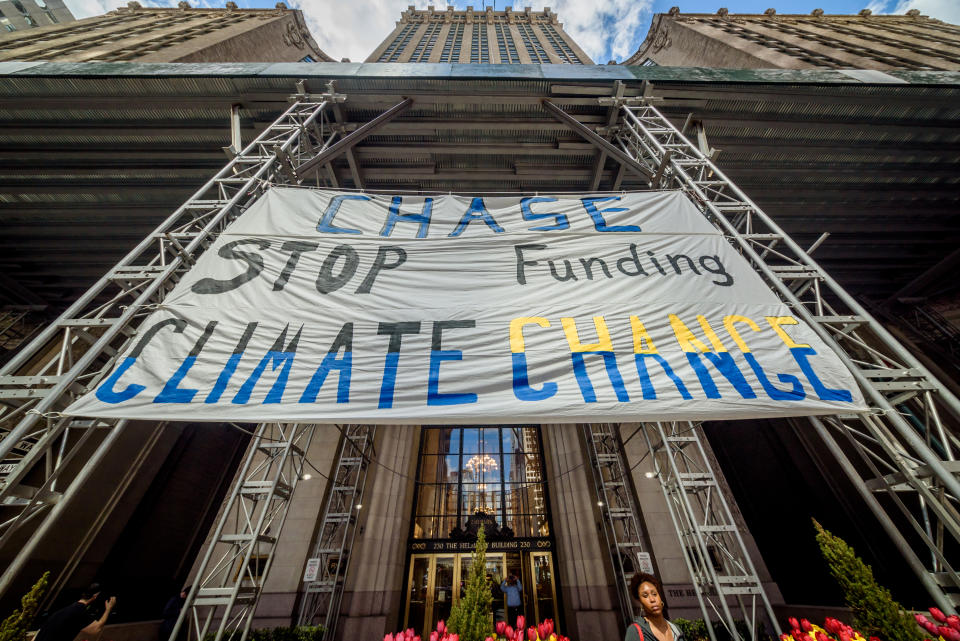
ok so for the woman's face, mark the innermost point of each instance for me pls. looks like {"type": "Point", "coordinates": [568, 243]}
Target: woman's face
{"type": "Point", "coordinates": [650, 599]}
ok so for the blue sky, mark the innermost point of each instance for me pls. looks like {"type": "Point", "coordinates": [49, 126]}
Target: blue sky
{"type": "Point", "coordinates": [606, 29]}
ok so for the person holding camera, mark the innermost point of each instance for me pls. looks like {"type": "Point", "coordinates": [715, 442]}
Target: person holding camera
{"type": "Point", "coordinates": [66, 623]}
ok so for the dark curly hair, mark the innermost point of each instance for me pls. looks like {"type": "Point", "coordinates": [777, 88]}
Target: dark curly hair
{"type": "Point", "coordinates": [642, 577]}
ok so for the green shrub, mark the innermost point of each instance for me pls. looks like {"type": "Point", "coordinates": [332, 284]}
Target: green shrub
{"type": "Point", "coordinates": [15, 627]}
{"type": "Point", "coordinates": [875, 613]}
{"type": "Point", "coordinates": [472, 617]}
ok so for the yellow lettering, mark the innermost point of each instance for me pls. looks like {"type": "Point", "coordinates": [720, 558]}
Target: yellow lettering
{"type": "Point", "coordinates": [603, 344]}
{"type": "Point", "coordinates": [728, 324]}
{"type": "Point", "coordinates": [711, 335]}
{"type": "Point", "coordinates": [516, 330]}
{"type": "Point", "coordinates": [777, 321]}
{"type": "Point", "coordinates": [688, 342]}
{"type": "Point", "coordinates": [640, 336]}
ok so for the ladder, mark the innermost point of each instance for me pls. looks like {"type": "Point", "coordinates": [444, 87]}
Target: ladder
{"type": "Point", "coordinates": [909, 454]}
{"type": "Point", "coordinates": [622, 528]}
{"type": "Point", "coordinates": [713, 548]}
{"type": "Point", "coordinates": [320, 602]}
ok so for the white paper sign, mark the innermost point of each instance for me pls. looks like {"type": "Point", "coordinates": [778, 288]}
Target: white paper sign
{"type": "Point", "coordinates": [313, 568]}
{"type": "Point", "coordinates": [330, 306]}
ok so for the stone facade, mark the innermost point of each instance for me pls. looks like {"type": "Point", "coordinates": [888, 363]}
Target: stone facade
{"type": "Point", "coordinates": [769, 40]}
{"type": "Point", "coordinates": [16, 15]}
{"type": "Point", "coordinates": [480, 37]}
{"type": "Point", "coordinates": [138, 34]}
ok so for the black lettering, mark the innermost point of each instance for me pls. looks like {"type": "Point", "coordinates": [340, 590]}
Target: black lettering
{"type": "Point", "coordinates": [253, 260]}
{"type": "Point", "coordinates": [568, 275]}
{"type": "Point", "coordinates": [588, 267]}
{"type": "Point", "coordinates": [326, 281]}
{"type": "Point", "coordinates": [635, 260]}
{"type": "Point", "coordinates": [379, 264]}
{"type": "Point", "coordinates": [717, 270]}
{"type": "Point", "coordinates": [296, 248]}
{"type": "Point", "coordinates": [675, 263]}
{"type": "Point", "coordinates": [521, 263]}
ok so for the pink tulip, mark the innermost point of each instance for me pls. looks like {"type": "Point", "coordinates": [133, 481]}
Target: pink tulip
{"type": "Point", "coordinates": [454, 637]}
{"type": "Point", "coordinates": [521, 621]}
{"type": "Point", "coordinates": [931, 628]}
{"type": "Point", "coordinates": [441, 627]}
{"type": "Point", "coordinates": [501, 628]}
{"type": "Point", "coordinates": [845, 636]}
{"type": "Point", "coordinates": [508, 632]}
{"type": "Point", "coordinates": [805, 625]}
{"type": "Point", "coordinates": [532, 633]}
{"type": "Point", "coordinates": [434, 636]}
{"type": "Point", "coordinates": [794, 624]}
{"type": "Point", "coordinates": [938, 615]}
{"type": "Point", "coordinates": [416, 638]}
{"type": "Point", "coordinates": [388, 637]}
{"type": "Point", "coordinates": [920, 619]}
{"type": "Point", "coordinates": [489, 639]}
{"type": "Point", "coordinates": [542, 631]}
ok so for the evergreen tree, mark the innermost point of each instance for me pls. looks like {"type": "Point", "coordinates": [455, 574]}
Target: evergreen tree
{"type": "Point", "coordinates": [472, 618]}
{"type": "Point", "coordinates": [15, 627]}
{"type": "Point", "coordinates": [875, 613]}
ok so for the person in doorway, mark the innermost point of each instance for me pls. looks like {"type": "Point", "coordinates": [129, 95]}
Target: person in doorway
{"type": "Point", "coordinates": [171, 612]}
{"type": "Point", "coordinates": [652, 624]}
{"type": "Point", "coordinates": [514, 591]}
{"type": "Point", "coordinates": [66, 623]}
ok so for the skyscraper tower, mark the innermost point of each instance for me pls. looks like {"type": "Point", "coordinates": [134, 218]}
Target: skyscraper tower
{"type": "Point", "coordinates": [481, 37]}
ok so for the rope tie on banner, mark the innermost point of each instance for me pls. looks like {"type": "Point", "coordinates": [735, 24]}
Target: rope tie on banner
{"type": "Point", "coordinates": [53, 415]}
{"type": "Point", "coordinates": [147, 306]}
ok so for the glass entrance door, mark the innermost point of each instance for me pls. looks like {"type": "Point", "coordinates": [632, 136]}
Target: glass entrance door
{"type": "Point", "coordinates": [438, 581]}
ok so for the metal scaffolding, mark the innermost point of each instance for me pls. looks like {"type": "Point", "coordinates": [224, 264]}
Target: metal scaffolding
{"type": "Point", "coordinates": [238, 558]}
{"type": "Point", "coordinates": [726, 582]}
{"type": "Point", "coordinates": [622, 528]}
{"type": "Point", "coordinates": [906, 454]}
{"type": "Point", "coordinates": [320, 604]}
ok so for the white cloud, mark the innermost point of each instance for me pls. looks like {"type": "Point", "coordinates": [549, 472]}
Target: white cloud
{"type": "Point", "coordinates": [352, 29]}
{"type": "Point", "coordinates": [946, 10]}
{"type": "Point", "coordinates": [603, 28]}
{"type": "Point", "coordinates": [88, 8]}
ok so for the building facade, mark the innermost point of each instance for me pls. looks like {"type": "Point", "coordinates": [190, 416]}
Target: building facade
{"type": "Point", "coordinates": [818, 40]}
{"type": "Point", "coordinates": [26, 14]}
{"type": "Point", "coordinates": [480, 37]}
{"type": "Point", "coordinates": [184, 34]}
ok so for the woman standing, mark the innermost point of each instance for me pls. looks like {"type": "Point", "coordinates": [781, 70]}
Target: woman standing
{"type": "Point", "coordinates": [652, 625]}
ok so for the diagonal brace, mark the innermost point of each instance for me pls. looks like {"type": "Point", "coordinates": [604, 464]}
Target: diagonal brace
{"type": "Point", "coordinates": [596, 140]}
{"type": "Point", "coordinates": [352, 139]}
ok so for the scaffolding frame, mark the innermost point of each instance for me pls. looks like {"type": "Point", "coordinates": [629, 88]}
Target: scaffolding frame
{"type": "Point", "coordinates": [622, 528]}
{"type": "Point", "coordinates": [906, 453]}
{"type": "Point", "coordinates": [714, 551]}
{"type": "Point", "coordinates": [321, 596]}
{"type": "Point", "coordinates": [236, 564]}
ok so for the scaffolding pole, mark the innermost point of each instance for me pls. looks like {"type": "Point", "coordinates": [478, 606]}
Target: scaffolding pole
{"type": "Point", "coordinates": [238, 558]}
{"type": "Point", "coordinates": [909, 452]}
{"type": "Point", "coordinates": [320, 602]}
{"type": "Point", "coordinates": [71, 355]}
{"type": "Point", "coordinates": [724, 577]}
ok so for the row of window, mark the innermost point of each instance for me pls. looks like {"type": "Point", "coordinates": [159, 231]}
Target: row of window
{"type": "Point", "coordinates": [479, 45]}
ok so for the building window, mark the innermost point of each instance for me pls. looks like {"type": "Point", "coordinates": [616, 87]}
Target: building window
{"type": "Point", "coordinates": [648, 63]}
{"type": "Point", "coordinates": [488, 473]}
{"type": "Point", "coordinates": [479, 52]}
{"type": "Point", "coordinates": [508, 50]}
{"type": "Point", "coordinates": [560, 46]}
{"type": "Point", "coordinates": [307, 59]}
{"type": "Point", "coordinates": [6, 24]}
{"type": "Point", "coordinates": [451, 47]}
{"type": "Point", "coordinates": [534, 48]}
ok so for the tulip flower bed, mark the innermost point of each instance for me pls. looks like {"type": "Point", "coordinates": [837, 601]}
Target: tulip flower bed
{"type": "Point", "coordinates": [540, 632]}
{"type": "Point", "coordinates": [832, 630]}
{"type": "Point", "coordinates": [948, 628]}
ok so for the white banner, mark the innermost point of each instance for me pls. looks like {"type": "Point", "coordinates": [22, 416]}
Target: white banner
{"type": "Point", "coordinates": [329, 306]}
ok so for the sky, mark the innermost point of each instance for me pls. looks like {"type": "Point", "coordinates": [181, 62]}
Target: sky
{"type": "Point", "coordinates": [605, 29]}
